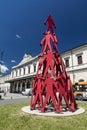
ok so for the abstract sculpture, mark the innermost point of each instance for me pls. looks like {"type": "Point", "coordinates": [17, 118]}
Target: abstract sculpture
{"type": "Point", "coordinates": [51, 24]}
{"type": "Point", "coordinates": [51, 83]}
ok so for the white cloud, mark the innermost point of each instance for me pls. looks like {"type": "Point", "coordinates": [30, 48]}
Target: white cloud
{"type": "Point", "coordinates": [1, 61]}
{"type": "Point", "coordinates": [3, 68]}
{"type": "Point", "coordinates": [13, 61]}
{"type": "Point", "coordinates": [18, 36]}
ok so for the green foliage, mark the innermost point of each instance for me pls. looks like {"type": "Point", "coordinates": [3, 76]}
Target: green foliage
{"type": "Point", "coordinates": [12, 118]}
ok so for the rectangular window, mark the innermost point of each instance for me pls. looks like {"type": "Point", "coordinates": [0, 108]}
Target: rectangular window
{"type": "Point", "coordinates": [24, 71]}
{"type": "Point", "coordinates": [67, 62]}
{"type": "Point", "coordinates": [29, 69]}
{"type": "Point", "coordinates": [19, 71]}
{"type": "Point", "coordinates": [12, 74]}
{"type": "Point", "coordinates": [34, 67]}
{"type": "Point", "coordinates": [16, 73]}
{"type": "Point", "coordinates": [79, 59]}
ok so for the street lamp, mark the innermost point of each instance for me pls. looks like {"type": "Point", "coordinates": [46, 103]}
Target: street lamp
{"type": "Point", "coordinates": [1, 56]}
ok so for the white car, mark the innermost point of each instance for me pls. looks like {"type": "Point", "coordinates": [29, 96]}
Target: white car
{"type": "Point", "coordinates": [27, 92]}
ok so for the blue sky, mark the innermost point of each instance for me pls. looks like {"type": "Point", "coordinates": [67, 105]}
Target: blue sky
{"type": "Point", "coordinates": [21, 26]}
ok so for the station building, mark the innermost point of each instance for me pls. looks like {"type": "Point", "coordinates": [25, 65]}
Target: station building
{"type": "Point", "coordinates": [21, 75]}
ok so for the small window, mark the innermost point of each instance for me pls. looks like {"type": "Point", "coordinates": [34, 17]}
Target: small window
{"type": "Point", "coordinates": [19, 71]}
{"type": "Point", "coordinates": [29, 69]}
{"type": "Point", "coordinates": [34, 67]}
{"type": "Point", "coordinates": [16, 73]}
{"type": "Point", "coordinates": [67, 62]}
{"type": "Point", "coordinates": [24, 71]}
{"type": "Point", "coordinates": [12, 74]}
{"type": "Point", "coordinates": [79, 59]}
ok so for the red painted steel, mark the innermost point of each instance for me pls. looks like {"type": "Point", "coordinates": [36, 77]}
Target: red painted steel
{"type": "Point", "coordinates": [51, 83]}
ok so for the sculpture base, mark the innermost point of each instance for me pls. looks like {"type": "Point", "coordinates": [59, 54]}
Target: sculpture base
{"type": "Point", "coordinates": [27, 110]}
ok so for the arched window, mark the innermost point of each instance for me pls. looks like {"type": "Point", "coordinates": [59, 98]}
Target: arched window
{"type": "Point", "coordinates": [81, 80]}
{"type": "Point", "coordinates": [23, 86]}
{"type": "Point", "coordinates": [28, 84]}
{"type": "Point", "coordinates": [18, 87]}
{"type": "Point", "coordinates": [15, 87]}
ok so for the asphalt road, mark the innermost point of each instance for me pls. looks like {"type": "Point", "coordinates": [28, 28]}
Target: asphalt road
{"type": "Point", "coordinates": [13, 101]}
{"type": "Point", "coordinates": [18, 98]}
{"type": "Point", "coordinates": [12, 98]}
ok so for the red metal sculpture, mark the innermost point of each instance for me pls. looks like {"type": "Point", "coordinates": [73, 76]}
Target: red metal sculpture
{"type": "Point", "coordinates": [49, 86]}
{"type": "Point", "coordinates": [51, 83]}
{"type": "Point", "coordinates": [55, 42]}
{"type": "Point", "coordinates": [49, 57]}
{"type": "Point", "coordinates": [51, 24]}
{"type": "Point", "coordinates": [37, 90]}
{"type": "Point", "coordinates": [46, 42]}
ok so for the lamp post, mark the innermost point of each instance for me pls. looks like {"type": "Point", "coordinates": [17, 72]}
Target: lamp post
{"type": "Point", "coordinates": [1, 56]}
{"type": "Point", "coordinates": [72, 66]}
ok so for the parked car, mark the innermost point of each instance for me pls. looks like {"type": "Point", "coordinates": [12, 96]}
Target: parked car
{"type": "Point", "coordinates": [27, 92]}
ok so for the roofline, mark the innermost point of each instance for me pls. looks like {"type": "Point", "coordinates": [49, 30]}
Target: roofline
{"type": "Point", "coordinates": [33, 58]}
{"type": "Point", "coordinates": [19, 65]}
{"type": "Point", "coordinates": [73, 48]}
